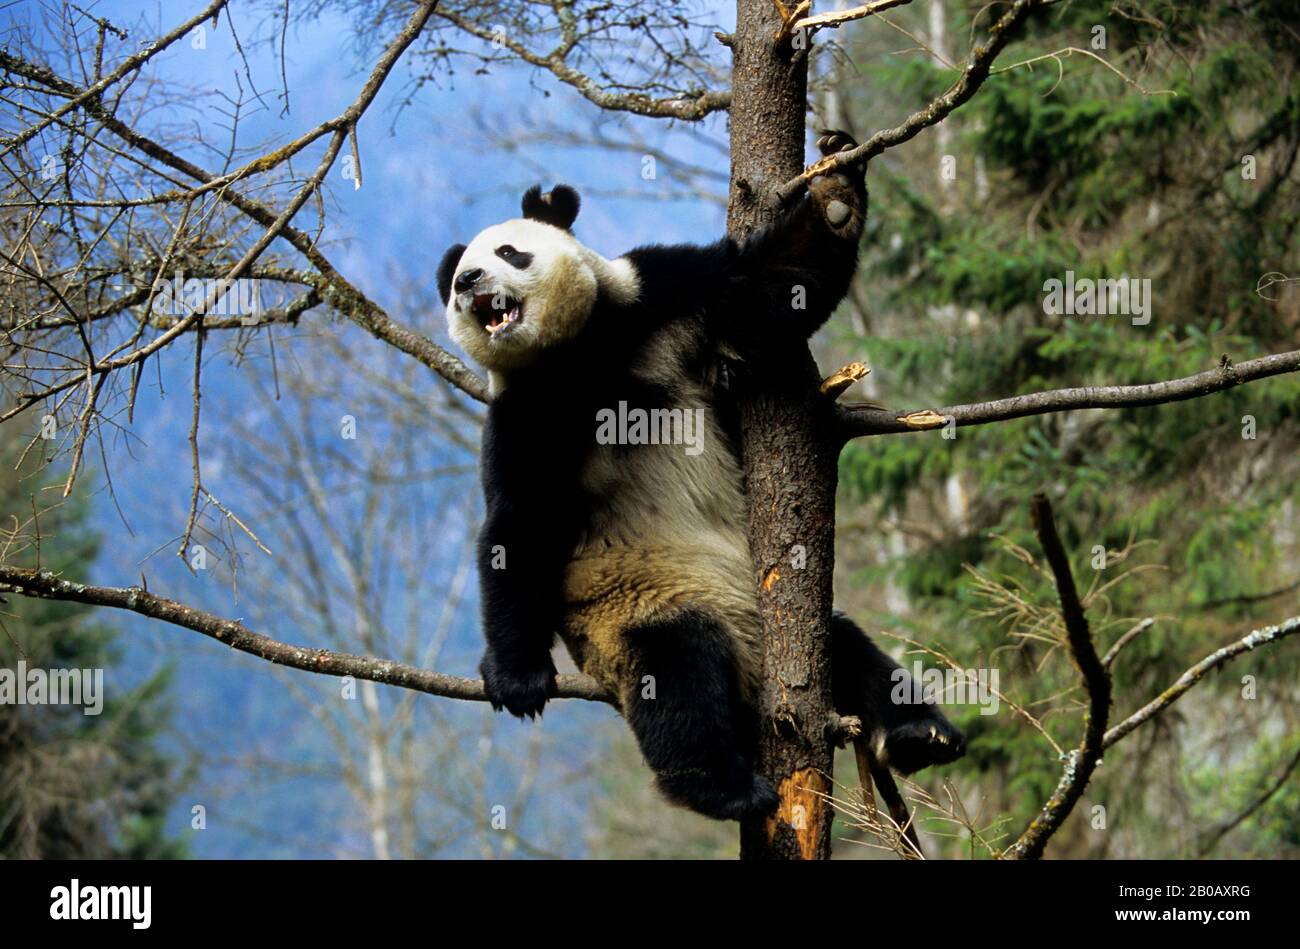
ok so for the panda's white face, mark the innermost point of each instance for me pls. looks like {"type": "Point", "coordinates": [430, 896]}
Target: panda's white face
{"type": "Point", "coordinates": [519, 287]}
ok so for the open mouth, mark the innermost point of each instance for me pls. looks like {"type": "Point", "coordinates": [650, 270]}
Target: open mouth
{"type": "Point", "coordinates": [497, 312]}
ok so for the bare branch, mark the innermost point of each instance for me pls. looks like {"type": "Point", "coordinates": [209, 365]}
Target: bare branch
{"type": "Point", "coordinates": [1252, 640]}
{"type": "Point", "coordinates": [1246, 598]}
{"type": "Point", "coordinates": [1212, 839]}
{"type": "Point", "coordinates": [218, 290]}
{"type": "Point", "coordinates": [689, 106]}
{"type": "Point", "coordinates": [871, 770]}
{"type": "Point", "coordinates": [147, 52]}
{"type": "Point", "coordinates": [1081, 762]}
{"type": "Point", "coordinates": [972, 77]}
{"type": "Point", "coordinates": [868, 420]}
{"type": "Point", "coordinates": [838, 382]}
{"type": "Point", "coordinates": [833, 19]}
{"type": "Point", "coordinates": [1113, 652]}
{"type": "Point", "coordinates": [338, 292]}
{"type": "Point", "coordinates": [48, 586]}
{"type": "Point", "coordinates": [1065, 53]}
{"type": "Point", "coordinates": [1080, 765]}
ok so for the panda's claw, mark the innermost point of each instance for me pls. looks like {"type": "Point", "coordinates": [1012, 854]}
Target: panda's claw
{"type": "Point", "coordinates": [832, 141]}
{"type": "Point", "coordinates": [523, 692]}
{"type": "Point", "coordinates": [921, 742]}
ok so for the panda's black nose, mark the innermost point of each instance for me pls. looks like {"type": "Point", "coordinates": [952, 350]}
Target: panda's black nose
{"type": "Point", "coordinates": [467, 279]}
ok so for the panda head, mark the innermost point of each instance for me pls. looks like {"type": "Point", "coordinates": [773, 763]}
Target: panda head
{"type": "Point", "coordinates": [527, 284]}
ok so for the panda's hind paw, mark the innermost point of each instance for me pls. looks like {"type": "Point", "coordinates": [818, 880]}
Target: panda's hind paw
{"type": "Point", "coordinates": [921, 742]}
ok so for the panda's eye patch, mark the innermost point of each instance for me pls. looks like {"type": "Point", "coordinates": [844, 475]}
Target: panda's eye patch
{"type": "Point", "coordinates": [515, 258]}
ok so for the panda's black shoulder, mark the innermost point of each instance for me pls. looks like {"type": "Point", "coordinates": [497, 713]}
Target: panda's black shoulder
{"type": "Point", "coordinates": [655, 262]}
{"type": "Point", "coordinates": [674, 278]}
{"type": "Point", "coordinates": [671, 283]}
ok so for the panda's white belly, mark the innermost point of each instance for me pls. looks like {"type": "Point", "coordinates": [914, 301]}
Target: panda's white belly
{"type": "Point", "coordinates": [666, 533]}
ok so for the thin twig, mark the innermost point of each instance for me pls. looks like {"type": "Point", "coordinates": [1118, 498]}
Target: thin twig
{"type": "Point", "coordinates": [1212, 839]}
{"type": "Point", "coordinates": [194, 450]}
{"type": "Point", "coordinates": [1113, 652]}
{"type": "Point", "coordinates": [129, 64]}
{"type": "Point", "coordinates": [973, 75]}
{"type": "Point", "coordinates": [1184, 683]}
{"type": "Point", "coordinates": [871, 770]}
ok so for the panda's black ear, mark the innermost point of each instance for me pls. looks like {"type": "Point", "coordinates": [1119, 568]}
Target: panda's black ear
{"type": "Point", "coordinates": [447, 269]}
{"type": "Point", "coordinates": [559, 206]}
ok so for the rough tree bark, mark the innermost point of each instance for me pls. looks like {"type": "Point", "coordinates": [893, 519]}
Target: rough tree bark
{"type": "Point", "coordinates": [790, 451]}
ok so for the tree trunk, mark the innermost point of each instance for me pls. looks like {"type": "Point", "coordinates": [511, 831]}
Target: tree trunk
{"type": "Point", "coordinates": [789, 453]}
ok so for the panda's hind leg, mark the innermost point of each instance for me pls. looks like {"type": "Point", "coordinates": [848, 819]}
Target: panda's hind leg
{"type": "Point", "coordinates": [685, 707]}
{"type": "Point", "coordinates": [907, 736]}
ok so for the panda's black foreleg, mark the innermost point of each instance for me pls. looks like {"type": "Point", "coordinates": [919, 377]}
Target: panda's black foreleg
{"type": "Point", "coordinates": [685, 708]}
{"type": "Point", "coordinates": [788, 277]}
{"type": "Point", "coordinates": [904, 734]}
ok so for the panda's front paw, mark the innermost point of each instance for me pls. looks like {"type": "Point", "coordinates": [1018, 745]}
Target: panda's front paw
{"type": "Point", "coordinates": [520, 688]}
{"type": "Point", "coordinates": [832, 141]}
{"type": "Point", "coordinates": [924, 741]}
{"type": "Point", "coordinates": [840, 194]}
{"type": "Point", "coordinates": [841, 205]}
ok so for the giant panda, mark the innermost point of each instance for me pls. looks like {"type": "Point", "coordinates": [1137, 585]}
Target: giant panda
{"type": "Point", "coordinates": [635, 553]}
